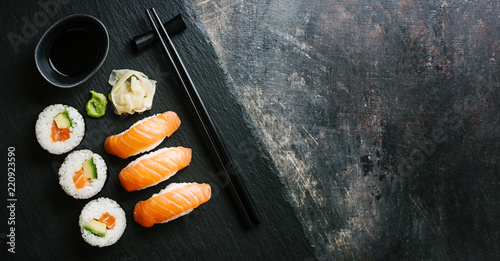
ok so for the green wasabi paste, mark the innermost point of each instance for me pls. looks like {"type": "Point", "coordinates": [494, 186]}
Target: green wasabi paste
{"type": "Point", "coordinates": [96, 106]}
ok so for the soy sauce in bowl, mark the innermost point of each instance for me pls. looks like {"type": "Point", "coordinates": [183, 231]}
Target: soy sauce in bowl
{"type": "Point", "coordinates": [74, 52]}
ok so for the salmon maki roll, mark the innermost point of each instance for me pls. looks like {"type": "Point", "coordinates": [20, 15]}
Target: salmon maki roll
{"type": "Point", "coordinates": [153, 168]}
{"type": "Point", "coordinates": [102, 222]}
{"type": "Point", "coordinates": [143, 136]}
{"type": "Point", "coordinates": [176, 200]}
{"type": "Point", "coordinates": [82, 174]}
{"type": "Point", "coordinates": [59, 128]}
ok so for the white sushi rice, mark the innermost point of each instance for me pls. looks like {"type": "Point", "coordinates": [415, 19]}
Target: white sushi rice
{"type": "Point", "coordinates": [171, 187]}
{"type": "Point", "coordinates": [72, 164]}
{"type": "Point", "coordinates": [94, 210]}
{"type": "Point", "coordinates": [43, 129]}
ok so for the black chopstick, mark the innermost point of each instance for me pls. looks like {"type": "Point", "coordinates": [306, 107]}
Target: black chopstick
{"type": "Point", "coordinates": [216, 140]}
{"type": "Point", "coordinates": [237, 189]}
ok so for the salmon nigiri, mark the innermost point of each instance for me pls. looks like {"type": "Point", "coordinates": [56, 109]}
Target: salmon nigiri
{"type": "Point", "coordinates": [143, 136]}
{"type": "Point", "coordinates": [153, 168]}
{"type": "Point", "coordinates": [176, 200]}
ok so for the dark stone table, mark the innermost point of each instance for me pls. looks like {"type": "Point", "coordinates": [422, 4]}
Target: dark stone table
{"type": "Point", "coordinates": [382, 117]}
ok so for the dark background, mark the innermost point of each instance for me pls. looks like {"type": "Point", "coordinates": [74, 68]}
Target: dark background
{"type": "Point", "coordinates": [382, 116]}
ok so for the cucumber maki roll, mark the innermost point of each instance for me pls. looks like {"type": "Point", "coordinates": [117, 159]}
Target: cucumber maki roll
{"type": "Point", "coordinates": [59, 128]}
{"type": "Point", "coordinates": [102, 222]}
{"type": "Point", "coordinates": [82, 174]}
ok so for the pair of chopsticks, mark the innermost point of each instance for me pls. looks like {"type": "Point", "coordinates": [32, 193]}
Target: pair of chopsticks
{"type": "Point", "coordinates": [237, 189]}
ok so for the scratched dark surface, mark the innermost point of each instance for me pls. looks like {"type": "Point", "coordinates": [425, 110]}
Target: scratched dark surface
{"type": "Point", "coordinates": [382, 116]}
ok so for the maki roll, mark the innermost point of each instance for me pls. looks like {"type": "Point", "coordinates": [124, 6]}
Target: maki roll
{"type": "Point", "coordinates": [82, 174]}
{"type": "Point", "coordinates": [102, 222]}
{"type": "Point", "coordinates": [59, 128]}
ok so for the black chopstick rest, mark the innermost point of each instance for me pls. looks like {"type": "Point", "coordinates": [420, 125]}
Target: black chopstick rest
{"type": "Point", "coordinates": [173, 26]}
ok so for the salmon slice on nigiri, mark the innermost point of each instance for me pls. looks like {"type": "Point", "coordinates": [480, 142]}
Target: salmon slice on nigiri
{"type": "Point", "coordinates": [153, 168]}
{"type": "Point", "coordinates": [143, 135]}
{"type": "Point", "coordinates": [176, 200]}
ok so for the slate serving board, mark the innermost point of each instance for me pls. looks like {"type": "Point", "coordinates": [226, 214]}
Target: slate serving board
{"type": "Point", "coordinates": [46, 219]}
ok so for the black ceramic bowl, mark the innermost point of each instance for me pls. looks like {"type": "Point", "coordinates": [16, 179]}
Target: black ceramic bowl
{"type": "Point", "coordinates": [72, 50]}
